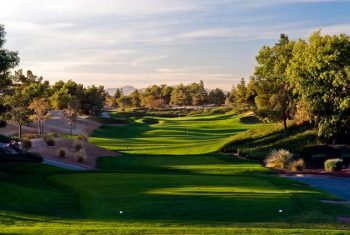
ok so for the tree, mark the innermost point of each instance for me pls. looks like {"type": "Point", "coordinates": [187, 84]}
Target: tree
{"type": "Point", "coordinates": [135, 99]}
{"type": "Point", "coordinates": [274, 89]}
{"type": "Point", "coordinates": [40, 107]}
{"type": "Point", "coordinates": [18, 110]}
{"type": "Point", "coordinates": [71, 113]}
{"type": "Point", "coordinates": [124, 102]}
{"type": "Point", "coordinates": [320, 70]}
{"type": "Point", "coordinates": [166, 93]}
{"type": "Point", "coordinates": [110, 101]}
{"type": "Point", "coordinates": [92, 101]}
{"type": "Point", "coordinates": [180, 96]}
{"type": "Point", "coordinates": [60, 99]}
{"type": "Point", "coordinates": [118, 93]}
{"type": "Point", "coordinates": [8, 60]}
{"type": "Point", "coordinates": [198, 93]}
{"type": "Point", "coordinates": [216, 97]}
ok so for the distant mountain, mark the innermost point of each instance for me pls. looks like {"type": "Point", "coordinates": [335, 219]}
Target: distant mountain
{"type": "Point", "coordinates": [127, 90]}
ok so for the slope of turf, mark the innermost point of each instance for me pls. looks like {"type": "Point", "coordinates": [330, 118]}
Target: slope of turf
{"type": "Point", "coordinates": [176, 136]}
{"type": "Point", "coordinates": [169, 180]}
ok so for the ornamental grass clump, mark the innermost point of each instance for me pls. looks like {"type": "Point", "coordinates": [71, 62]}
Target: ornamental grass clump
{"type": "Point", "coordinates": [332, 165]}
{"type": "Point", "coordinates": [279, 159]}
{"type": "Point", "coordinates": [81, 156]}
{"type": "Point", "coordinates": [49, 140]}
{"type": "Point", "coordinates": [78, 145]}
{"type": "Point", "coordinates": [297, 165]}
{"type": "Point", "coordinates": [61, 152]}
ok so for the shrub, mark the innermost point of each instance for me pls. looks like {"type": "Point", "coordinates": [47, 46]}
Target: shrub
{"type": "Point", "coordinates": [77, 145]}
{"type": "Point", "coordinates": [5, 139]}
{"type": "Point", "coordinates": [83, 138]}
{"type": "Point", "coordinates": [26, 144]}
{"type": "Point", "coordinates": [279, 159]}
{"type": "Point", "coordinates": [297, 165]}
{"type": "Point", "coordinates": [61, 152]}
{"type": "Point", "coordinates": [49, 140]}
{"type": "Point", "coordinates": [81, 156]}
{"type": "Point", "coordinates": [316, 161]}
{"type": "Point", "coordinates": [20, 157]}
{"type": "Point", "coordinates": [335, 164]}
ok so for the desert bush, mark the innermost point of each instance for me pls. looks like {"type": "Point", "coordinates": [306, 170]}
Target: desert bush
{"type": "Point", "coordinates": [26, 144]}
{"type": "Point", "coordinates": [83, 138]}
{"type": "Point", "coordinates": [335, 164]}
{"type": "Point", "coordinates": [297, 165]}
{"type": "Point", "coordinates": [49, 140]}
{"type": "Point", "coordinates": [77, 145]}
{"type": "Point", "coordinates": [81, 156]}
{"type": "Point", "coordinates": [279, 159]}
{"type": "Point", "coordinates": [61, 152]}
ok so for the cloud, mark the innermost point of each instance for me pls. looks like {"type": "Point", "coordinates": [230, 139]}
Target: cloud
{"type": "Point", "coordinates": [141, 42]}
{"type": "Point", "coordinates": [146, 60]}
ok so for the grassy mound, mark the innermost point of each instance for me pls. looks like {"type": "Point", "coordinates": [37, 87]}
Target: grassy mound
{"type": "Point", "coordinates": [258, 142]}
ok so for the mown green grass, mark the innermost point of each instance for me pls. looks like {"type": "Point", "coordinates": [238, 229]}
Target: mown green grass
{"type": "Point", "coordinates": [170, 181]}
{"type": "Point", "coordinates": [258, 142]}
{"type": "Point", "coordinates": [175, 136]}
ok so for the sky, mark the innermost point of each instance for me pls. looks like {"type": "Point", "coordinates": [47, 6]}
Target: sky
{"type": "Point", "coordinates": [142, 42]}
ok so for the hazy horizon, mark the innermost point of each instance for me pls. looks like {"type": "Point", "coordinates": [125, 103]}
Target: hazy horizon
{"type": "Point", "coordinates": [139, 43]}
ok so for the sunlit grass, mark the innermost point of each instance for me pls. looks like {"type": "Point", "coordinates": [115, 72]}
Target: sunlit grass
{"type": "Point", "coordinates": [168, 180]}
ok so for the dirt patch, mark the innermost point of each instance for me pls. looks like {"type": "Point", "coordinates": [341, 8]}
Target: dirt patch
{"type": "Point", "coordinates": [57, 123]}
{"type": "Point", "coordinates": [50, 152]}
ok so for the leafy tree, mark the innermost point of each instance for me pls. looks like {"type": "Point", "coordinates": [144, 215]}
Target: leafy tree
{"type": "Point", "coordinates": [154, 90]}
{"type": "Point", "coordinates": [118, 94]}
{"type": "Point", "coordinates": [198, 93]}
{"type": "Point", "coordinates": [124, 102]}
{"type": "Point", "coordinates": [321, 71]}
{"type": "Point", "coordinates": [274, 89]}
{"type": "Point", "coordinates": [93, 100]}
{"type": "Point", "coordinates": [180, 96]}
{"type": "Point", "coordinates": [166, 93]}
{"type": "Point", "coordinates": [216, 97]}
{"type": "Point", "coordinates": [135, 97]}
{"type": "Point", "coordinates": [60, 99]}
{"type": "Point", "coordinates": [40, 107]}
{"type": "Point", "coordinates": [251, 93]}
{"type": "Point", "coordinates": [18, 110]}
{"type": "Point", "coordinates": [8, 60]}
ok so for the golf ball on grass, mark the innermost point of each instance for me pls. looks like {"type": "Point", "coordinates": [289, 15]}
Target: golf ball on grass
{"type": "Point", "coordinates": [280, 211]}
{"type": "Point", "coordinates": [121, 212]}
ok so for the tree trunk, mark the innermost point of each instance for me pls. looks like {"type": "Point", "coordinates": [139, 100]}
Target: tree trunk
{"type": "Point", "coordinates": [285, 122]}
{"type": "Point", "coordinates": [19, 131]}
{"type": "Point", "coordinates": [335, 140]}
{"type": "Point", "coordinates": [39, 127]}
{"type": "Point", "coordinates": [42, 127]}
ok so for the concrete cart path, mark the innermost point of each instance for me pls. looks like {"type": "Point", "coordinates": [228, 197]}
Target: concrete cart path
{"type": "Point", "coordinates": [334, 185]}
{"type": "Point", "coordinates": [65, 165]}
